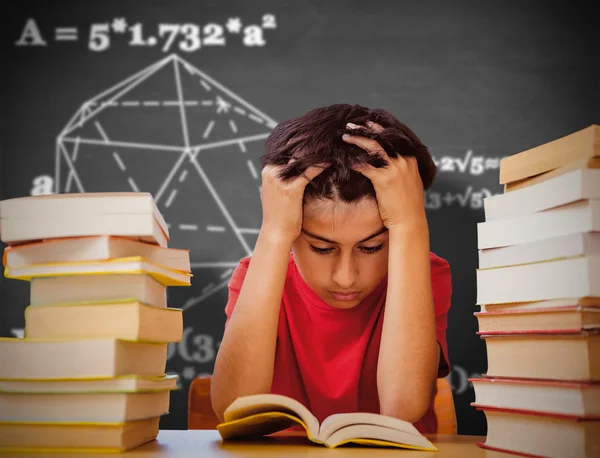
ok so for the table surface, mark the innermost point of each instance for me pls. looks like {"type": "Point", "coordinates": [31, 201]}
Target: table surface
{"type": "Point", "coordinates": [208, 444]}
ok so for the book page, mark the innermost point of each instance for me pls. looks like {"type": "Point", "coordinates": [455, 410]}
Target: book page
{"type": "Point", "coordinates": [337, 421]}
{"type": "Point", "coordinates": [378, 436]}
{"type": "Point", "coordinates": [261, 403]}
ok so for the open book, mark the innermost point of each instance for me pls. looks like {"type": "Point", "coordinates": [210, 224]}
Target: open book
{"type": "Point", "coordinates": [263, 414]}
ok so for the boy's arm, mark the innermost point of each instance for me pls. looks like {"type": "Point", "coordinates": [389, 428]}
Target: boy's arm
{"type": "Point", "coordinates": [409, 355]}
{"type": "Point", "coordinates": [244, 363]}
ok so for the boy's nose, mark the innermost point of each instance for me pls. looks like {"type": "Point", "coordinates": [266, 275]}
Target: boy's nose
{"type": "Point", "coordinates": [345, 273]}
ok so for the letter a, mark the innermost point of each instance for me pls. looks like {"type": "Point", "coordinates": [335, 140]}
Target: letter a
{"type": "Point", "coordinates": [31, 35]}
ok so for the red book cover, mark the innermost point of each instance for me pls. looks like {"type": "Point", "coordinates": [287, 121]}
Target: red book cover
{"type": "Point", "coordinates": [565, 308]}
{"type": "Point", "coordinates": [535, 381]}
{"type": "Point", "coordinates": [556, 332]}
{"type": "Point", "coordinates": [534, 413]}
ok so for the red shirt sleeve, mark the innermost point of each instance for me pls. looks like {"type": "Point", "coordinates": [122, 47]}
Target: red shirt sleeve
{"type": "Point", "coordinates": [441, 284]}
{"type": "Point", "coordinates": [235, 286]}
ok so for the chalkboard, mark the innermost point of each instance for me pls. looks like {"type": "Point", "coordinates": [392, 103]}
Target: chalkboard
{"type": "Point", "coordinates": [177, 98]}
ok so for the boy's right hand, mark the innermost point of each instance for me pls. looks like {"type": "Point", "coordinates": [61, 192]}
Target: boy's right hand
{"type": "Point", "coordinates": [282, 202]}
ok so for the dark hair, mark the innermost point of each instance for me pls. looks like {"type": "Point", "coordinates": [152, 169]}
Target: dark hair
{"type": "Point", "coordinates": [316, 138]}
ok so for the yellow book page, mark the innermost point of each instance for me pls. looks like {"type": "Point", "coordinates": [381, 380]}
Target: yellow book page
{"type": "Point", "coordinates": [65, 379]}
{"type": "Point", "coordinates": [60, 450]}
{"type": "Point", "coordinates": [125, 300]}
{"type": "Point", "coordinates": [155, 390]}
{"type": "Point", "coordinates": [118, 377]}
{"type": "Point", "coordinates": [70, 424]}
{"type": "Point", "coordinates": [82, 339]}
{"type": "Point", "coordinates": [380, 443]}
{"type": "Point", "coordinates": [163, 279]}
{"type": "Point", "coordinates": [261, 424]}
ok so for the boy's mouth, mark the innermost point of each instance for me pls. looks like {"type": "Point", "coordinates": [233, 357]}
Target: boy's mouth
{"type": "Point", "coordinates": [344, 296]}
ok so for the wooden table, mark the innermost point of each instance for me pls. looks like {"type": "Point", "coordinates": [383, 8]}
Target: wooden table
{"type": "Point", "coordinates": [208, 444]}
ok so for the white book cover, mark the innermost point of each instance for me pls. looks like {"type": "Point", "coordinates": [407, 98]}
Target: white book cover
{"type": "Point", "coordinates": [48, 207]}
{"type": "Point", "coordinates": [565, 189]}
{"type": "Point", "coordinates": [574, 277]}
{"type": "Point", "coordinates": [581, 216]}
{"type": "Point", "coordinates": [94, 248]}
{"type": "Point", "coordinates": [137, 226]}
{"type": "Point", "coordinates": [565, 246]}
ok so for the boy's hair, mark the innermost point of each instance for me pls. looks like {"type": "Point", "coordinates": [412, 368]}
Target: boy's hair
{"type": "Point", "coordinates": [316, 138]}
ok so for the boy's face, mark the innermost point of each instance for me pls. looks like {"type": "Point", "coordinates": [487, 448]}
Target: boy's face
{"type": "Point", "coordinates": [342, 252]}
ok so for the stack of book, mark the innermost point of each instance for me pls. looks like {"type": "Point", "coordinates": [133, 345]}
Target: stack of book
{"type": "Point", "coordinates": [538, 285]}
{"type": "Point", "coordinates": [89, 375]}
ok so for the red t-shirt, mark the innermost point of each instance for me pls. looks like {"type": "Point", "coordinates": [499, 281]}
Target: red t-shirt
{"type": "Point", "coordinates": [326, 358]}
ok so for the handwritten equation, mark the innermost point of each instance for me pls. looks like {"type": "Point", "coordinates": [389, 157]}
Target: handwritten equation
{"type": "Point", "coordinates": [470, 198]}
{"type": "Point", "coordinates": [469, 163]}
{"type": "Point", "coordinates": [185, 37]}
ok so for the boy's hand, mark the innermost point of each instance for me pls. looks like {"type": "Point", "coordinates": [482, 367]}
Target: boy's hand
{"type": "Point", "coordinates": [399, 188]}
{"type": "Point", "coordinates": [282, 202]}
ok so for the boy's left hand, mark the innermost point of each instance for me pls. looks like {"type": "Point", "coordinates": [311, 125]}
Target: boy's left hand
{"type": "Point", "coordinates": [399, 188]}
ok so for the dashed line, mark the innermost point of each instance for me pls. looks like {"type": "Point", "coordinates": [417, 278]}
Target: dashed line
{"type": "Point", "coordinates": [246, 230]}
{"type": "Point", "coordinates": [188, 227]}
{"type": "Point", "coordinates": [215, 228]}
{"type": "Point", "coordinates": [207, 287]}
{"type": "Point", "coordinates": [171, 197]}
{"type": "Point", "coordinates": [151, 103]}
{"type": "Point", "coordinates": [252, 169]}
{"type": "Point", "coordinates": [101, 130]}
{"type": "Point", "coordinates": [119, 161]}
{"type": "Point", "coordinates": [183, 175]}
{"type": "Point", "coordinates": [175, 103]}
{"type": "Point", "coordinates": [242, 146]}
{"type": "Point", "coordinates": [250, 115]}
{"type": "Point", "coordinates": [132, 184]}
{"type": "Point", "coordinates": [208, 129]}
{"type": "Point", "coordinates": [205, 85]}
{"type": "Point", "coordinates": [227, 273]}
{"type": "Point", "coordinates": [256, 118]}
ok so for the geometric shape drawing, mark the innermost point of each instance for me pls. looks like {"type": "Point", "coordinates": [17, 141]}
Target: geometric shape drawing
{"type": "Point", "coordinates": [175, 132]}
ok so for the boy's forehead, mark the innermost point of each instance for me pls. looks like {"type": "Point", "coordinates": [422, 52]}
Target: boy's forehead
{"type": "Point", "coordinates": [342, 221]}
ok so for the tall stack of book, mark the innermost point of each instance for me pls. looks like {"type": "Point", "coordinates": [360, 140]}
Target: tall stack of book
{"type": "Point", "coordinates": [89, 375]}
{"type": "Point", "coordinates": [538, 287]}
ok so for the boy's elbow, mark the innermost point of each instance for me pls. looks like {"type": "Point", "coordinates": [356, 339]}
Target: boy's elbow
{"type": "Point", "coordinates": [408, 411]}
{"type": "Point", "coordinates": [410, 407]}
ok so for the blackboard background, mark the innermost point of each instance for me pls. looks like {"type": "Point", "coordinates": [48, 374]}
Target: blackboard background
{"type": "Point", "coordinates": [493, 78]}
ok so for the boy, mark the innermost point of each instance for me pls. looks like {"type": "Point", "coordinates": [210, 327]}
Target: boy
{"type": "Point", "coordinates": [341, 306]}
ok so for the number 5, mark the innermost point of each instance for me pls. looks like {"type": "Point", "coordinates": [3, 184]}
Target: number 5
{"type": "Point", "coordinates": [99, 40]}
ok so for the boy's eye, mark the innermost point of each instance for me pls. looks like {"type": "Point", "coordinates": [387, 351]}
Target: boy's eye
{"type": "Point", "coordinates": [321, 250]}
{"type": "Point", "coordinates": [371, 249]}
